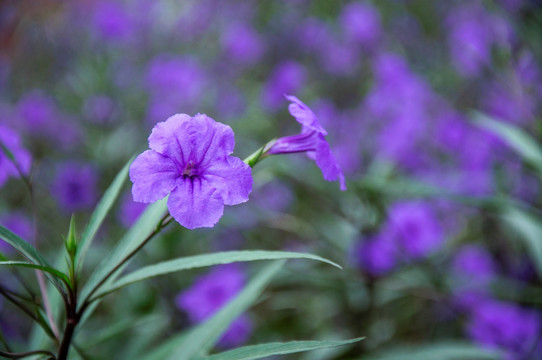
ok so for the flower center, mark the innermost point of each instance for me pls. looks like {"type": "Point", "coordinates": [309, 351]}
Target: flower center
{"type": "Point", "coordinates": [189, 169]}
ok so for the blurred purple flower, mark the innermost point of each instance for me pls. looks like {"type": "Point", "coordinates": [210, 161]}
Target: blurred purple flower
{"type": "Point", "coordinates": [37, 111]}
{"type": "Point", "coordinates": [312, 33]}
{"type": "Point", "coordinates": [173, 83]}
{"type": "Point", "coordinates": [189, 159]}
{"type": "Point", "coordinates": [470, 38]}
{"type": "Point", "coordinates": [75, 187]}
{"type": "Point", "coordinates": [361, 23]}
{"type": "Point", "coordinates": [415, 227]}
{"type": "Point", "coordinates": [99, 109]}
{"type": "Point", "coordinates": [18, 224]}
{"type": "Point", "coordinates": [474, 265]}
{"type": "Point", "coordinates": [41, 117]}
{"type": "Point", "coordinates": [230, 102]}
{"type": "Point", "coordinates": [242, 44]}
{"type": "Point", "coordinates": [209, 294]}
{"type": "Point", "coordinates": [505, 326]}
{"type": "Point", "coordinates": [287, 77]}
{"type": "Point", "coordinates": [338, 58]}
{"type": "Point", "coordinates": [111, 21]}
{"type": "Point", "coordinates": [311, 140]}
{"type": "Point", "coordinates": [377, 255]}
{"type": "Point", "coordinates": [130, 210]}
{"type": "Point", "coordinates": [11, 141]}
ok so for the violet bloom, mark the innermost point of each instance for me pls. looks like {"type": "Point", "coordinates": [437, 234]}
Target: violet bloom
{"type": "Point", "coordinates": [416, 228]}
{"type": "Point", "coordinates": [37, 111]}
{"type": "Point", "coordinates": [506, 327]}
{"type": "Point", "coordinates": [99, 109]}
{"type": "Point", "coordinates": [209, 294]}
{"type": "Point", "coordinates": [18, 224]}
{"type": "Point", "coordinates": [75, 187]}
{"type": "Point", "coordinates": [112, 22]}
{"type": "Point", "coordinates": [361, 22]}
{"type": "Point", "coordinates": [130, 211]}
{"type": "Point", "coordinates": [311, 140]}
{"type": "Point", "coordinates": [470, 39]}
{"type": "Point", "coordinates": [10, 140]}
{"type": "Point", "coordinates": [287, 77]}
{"type": "Point", "coordinates": [242, 44]}
{"type": "Point", "coordinates": [189, 160]}
{"type": "Point", "coordinates": [377, 255]}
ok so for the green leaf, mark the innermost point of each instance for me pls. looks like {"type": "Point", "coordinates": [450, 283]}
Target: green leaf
{"type": "Point", "coordinates": [131, 240]}
{"type": "Point", "coordinates": [530, 229]}
{"type": "Point", "coordinates": [46, 269]}
{"type": "Point", "coordinates": [515, 137]}
{"type": "Point", "coordinates": [198, 261]}
{"type": "Point", "coordinates": [440, 351]}
{"type": "Point", "coordinates": [99, 214]}
{"type": "Point", "coordinates": [271, 349]}
{"type": "Point", "coordinates": [23, 247]}
{"type": "Point", "coordinates": [204, 336]}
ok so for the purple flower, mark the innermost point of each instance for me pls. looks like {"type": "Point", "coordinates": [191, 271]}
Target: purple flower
{"type": "Point", "coordinates": [75, 187]}
{"type": "Point", "coordinates": [377, 255]}
{"type": "Point", "coordinates": [12, 142]}
{"type": "Point", "coordinates": [209, 294]}
{"type": "Point", "coordinates": [361, 22]}
{"type": "Point", "coordinates": [112, 22]}
{"type": "Point", "coordinates": [99, 109]}
{"type": "Point", "coordinates": [311, 140]}
{"type": "Point", "coordinates": [475, 264]}
{"type": "Point", "coordinates": [505, 326]}
{"type": "Point", "coordinates": [37, 111]}
{"type": "Point", "coordinates": [416, 228]}
{"type": "Point", "coordinates": [470, 39]}
{"type": "Point", "coordinates": [18, 224]}
{"type": "Point", "coordinates": [189, 159]}
{"type": "Point", "coordinates": [130, 210]}
{"type": "Point", "coordinates": [287, 77]}
{"type": "Point", "coordinates": [242, 44]}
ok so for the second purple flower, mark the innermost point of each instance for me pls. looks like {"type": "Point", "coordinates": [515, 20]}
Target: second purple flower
{"type": "Point", "coordinates": [189, 159]}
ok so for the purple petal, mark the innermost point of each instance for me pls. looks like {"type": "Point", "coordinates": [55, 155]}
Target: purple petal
{"type": "Point", "coordinates": [233, 179]}
{"type": "Point", "coordinates": [304, 115]}
{"type": "Point", "coordinates": [218, 140]}
{"type": "Point", "coordinates": [153, 176]}
{"type": "Point", "coordinates": [163, 135]}
{"type": "Point", "coordinates": [327, 163]}
{"type": "Point", "coordinates": [195, 203]}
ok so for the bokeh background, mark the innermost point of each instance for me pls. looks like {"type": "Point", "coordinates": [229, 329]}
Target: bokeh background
{"type": "Point", "coordinates": [433, 112]}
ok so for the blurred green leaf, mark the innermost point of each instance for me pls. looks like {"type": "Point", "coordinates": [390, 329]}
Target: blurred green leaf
{"type": "Point", "coordinates": [131, 240]}
{"type": "Point", "coordinates": [46, 269]}
{"type": "Point", "coordinates": [198, 341]}
{"type": "Point", "coordinates": [99, 214]}
{"type": "Point", "coordinates": [442, 351]}
{"type": "Point", "coordinates": [530, 229]}
{"type": "Point", "coordinates": [198, 261]}
{"type": "Point", "coordinates": [271, 349]}
{"type": "Point", "coordinates": [28, 252]}
{"type": "Point", "coordinates": [515, 137]}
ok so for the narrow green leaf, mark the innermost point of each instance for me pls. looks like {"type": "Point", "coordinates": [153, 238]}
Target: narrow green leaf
{"type": "Point", "coordinates": [515, 137]}
{"type": "Point", "coordinates": [22, 246]}
{"type": "Point", "coordinates": [271, 349]}
{"type": "Point", "coordinates": [204, 336]}
{"type": "Point", "coordinates": [530, 229]}
{"type": "Point", "coordinates": [46, 269]}
{"type": "Point", "coordinates": [198, 261]}
{"type": "Point", "coordinates": [131, 240]}
{"type": "Point", "coordinates": [440, 351]}
{"type": "Point", "coordinates": [99, 214]}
